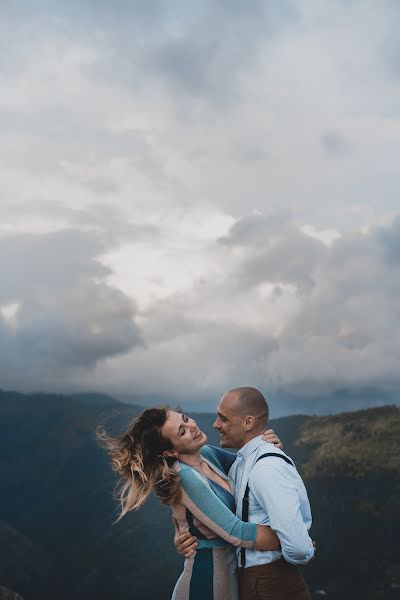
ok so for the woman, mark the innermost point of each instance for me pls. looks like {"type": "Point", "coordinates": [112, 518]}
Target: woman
{"type": "Point", "coordinates": [163, 451]}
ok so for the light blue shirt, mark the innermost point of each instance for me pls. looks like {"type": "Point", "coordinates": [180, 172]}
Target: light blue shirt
{"type": "Point", "coordinates": [277, 498]}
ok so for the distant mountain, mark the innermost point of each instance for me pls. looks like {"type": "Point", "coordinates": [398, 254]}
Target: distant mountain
{"type": "Point", "coordinates": [56, 501]}
{"type": "Point", "coordinates": [332, 401]}
{"type": "Point", "coordinates": [289, 401]}
{"type": "Point", "coordinates": [95, 399]}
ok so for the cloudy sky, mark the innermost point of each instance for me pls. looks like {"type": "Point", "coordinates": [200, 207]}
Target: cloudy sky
{"type": "Point", "coordinates": [201, 195]}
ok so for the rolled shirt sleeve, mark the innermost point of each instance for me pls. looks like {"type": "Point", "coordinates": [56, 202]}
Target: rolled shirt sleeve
{"type": "Point", "coordinates": [275, 487]}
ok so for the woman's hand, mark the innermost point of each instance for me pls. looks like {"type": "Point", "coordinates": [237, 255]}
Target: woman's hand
{"type": "Point", "coordinates": [272, 438]}
{"type": "Point", "coordinates": [185, 543]}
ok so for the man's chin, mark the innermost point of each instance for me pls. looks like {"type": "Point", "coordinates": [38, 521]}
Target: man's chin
{"type": "Point", "coordinates": [224, 442]}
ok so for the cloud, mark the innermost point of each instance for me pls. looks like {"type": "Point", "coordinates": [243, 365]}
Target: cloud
{"type": "Point", "coordinates": [334, 144]}
{"type": "Point", "coordinates": [276, 251]}
{"type": "Point", "coordinates": [322, 320]}
{"type": "Point", "coordinates": [344, 332]}
{"type": "Point", "coordinates": [205, 54]}
{"type": "Point", "coordinates": [193, 365]}
{"type": "Point", "coordinates": [199, 195]}
{"type": "Point", "coordinates": [64, 316]}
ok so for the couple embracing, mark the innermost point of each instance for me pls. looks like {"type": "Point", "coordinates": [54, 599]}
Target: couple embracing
{"type": "Point", "coordinates": [242, 519]}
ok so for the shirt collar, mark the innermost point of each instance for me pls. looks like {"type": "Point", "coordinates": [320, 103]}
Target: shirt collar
{"type": "Point", "coordinates": [250, 447]}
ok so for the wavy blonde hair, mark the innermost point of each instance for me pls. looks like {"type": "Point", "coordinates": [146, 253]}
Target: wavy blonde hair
{"type": "Point", "coordinates": [137, 456]}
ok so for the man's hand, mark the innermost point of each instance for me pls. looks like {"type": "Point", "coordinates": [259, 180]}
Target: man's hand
{"type": "Point", "coordinates": [272, 438]}
{"type": "Point", "coordinates": [314, 543]}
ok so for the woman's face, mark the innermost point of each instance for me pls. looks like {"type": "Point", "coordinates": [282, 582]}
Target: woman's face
{"type": "Point", "coordinates": [183, 433]}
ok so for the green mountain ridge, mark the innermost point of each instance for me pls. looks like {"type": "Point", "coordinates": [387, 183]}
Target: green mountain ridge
{"type": "Point", "coordinates": [351, 444]}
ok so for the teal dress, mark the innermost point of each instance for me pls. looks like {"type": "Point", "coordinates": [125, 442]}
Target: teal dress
{"type": "Point", "coordinates": [207, 510]}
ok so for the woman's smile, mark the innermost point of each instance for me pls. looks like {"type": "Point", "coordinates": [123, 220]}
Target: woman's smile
{"type": "Point", "coordinates": [197, 433]}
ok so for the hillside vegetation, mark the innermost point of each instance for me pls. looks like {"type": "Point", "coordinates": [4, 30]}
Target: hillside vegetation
{"type": "Point", "coordinates": [352, 444]}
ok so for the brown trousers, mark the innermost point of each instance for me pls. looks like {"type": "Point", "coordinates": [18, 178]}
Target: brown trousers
{"type": "Point", "coordinates": [278, 580]}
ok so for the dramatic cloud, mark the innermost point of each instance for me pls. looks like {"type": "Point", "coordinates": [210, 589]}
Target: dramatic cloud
{"type": "Point", "coordinates": [285, 312]}
{"type": "Point", "coordinates": [195, 196]}
{"type": "Point", "coordinates": [344, 332]}
{"type": "Point", "coordinates": [58, 317]}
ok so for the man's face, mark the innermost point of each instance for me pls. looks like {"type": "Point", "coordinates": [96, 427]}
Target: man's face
{"type": "Point", "coordinates": [230, 422]}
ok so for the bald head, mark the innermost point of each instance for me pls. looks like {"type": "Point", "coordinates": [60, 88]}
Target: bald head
{"type": "Point", "coordinates": [241, 415]}
{"type": "Point", "coordinates": [250, 402]}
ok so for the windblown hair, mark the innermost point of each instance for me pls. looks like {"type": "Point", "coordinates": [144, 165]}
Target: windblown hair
{"type": "Point", "coordinates": [137, 455]}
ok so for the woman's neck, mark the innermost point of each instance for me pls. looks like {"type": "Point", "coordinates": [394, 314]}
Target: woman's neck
{"type": "Point", "coordinates": [193, 460]}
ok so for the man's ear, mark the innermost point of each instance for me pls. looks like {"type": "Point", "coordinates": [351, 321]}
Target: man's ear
{"type": "Point", "coordinates": [249, 423]}
{"type": "Point", "coordinates": [170, 454]}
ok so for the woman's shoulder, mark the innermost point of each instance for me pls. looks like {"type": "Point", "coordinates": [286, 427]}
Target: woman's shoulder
{"type": "Point", "coordinates": [219, 457]}
{"type": "Point", "coordinates": [184, 470]}
{"type": "Point", "coordinates": [190, 478]}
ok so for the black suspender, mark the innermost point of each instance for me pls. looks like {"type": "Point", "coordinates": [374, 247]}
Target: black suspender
{"type": "Point", "coordinates": [245, 502]}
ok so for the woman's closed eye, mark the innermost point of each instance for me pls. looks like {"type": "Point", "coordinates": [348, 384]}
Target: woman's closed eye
{"type": "Point", "coordinates": [182, 430]}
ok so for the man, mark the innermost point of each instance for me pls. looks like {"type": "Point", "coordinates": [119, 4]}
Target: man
{"type": "Point", "coordinates": [276, 497]}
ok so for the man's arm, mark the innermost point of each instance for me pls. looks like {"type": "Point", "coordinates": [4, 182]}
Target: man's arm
{"type": "Point", "coordinates": [274, 488]}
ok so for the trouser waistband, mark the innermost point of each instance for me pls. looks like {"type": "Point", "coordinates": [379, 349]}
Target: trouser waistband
{"type": "Point", "coordinates": [278, 580]}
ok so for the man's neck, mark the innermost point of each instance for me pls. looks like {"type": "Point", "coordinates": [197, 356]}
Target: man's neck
{"type": "Point", "coordinates": [250, 436]}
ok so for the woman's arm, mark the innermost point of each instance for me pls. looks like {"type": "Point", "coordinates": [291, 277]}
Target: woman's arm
{"type": "Point", "coordinates": [266, 539]}
{"type": "Point", "coordinates": [201, 501]}
{"type": "Point", "coordinates": [186, 543]}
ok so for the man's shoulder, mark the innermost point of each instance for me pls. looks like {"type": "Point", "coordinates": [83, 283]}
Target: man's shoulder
{"type": "Point", "coordinates": [278, 462]}
{"type": "Point", "coordinates": [265, 447]}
